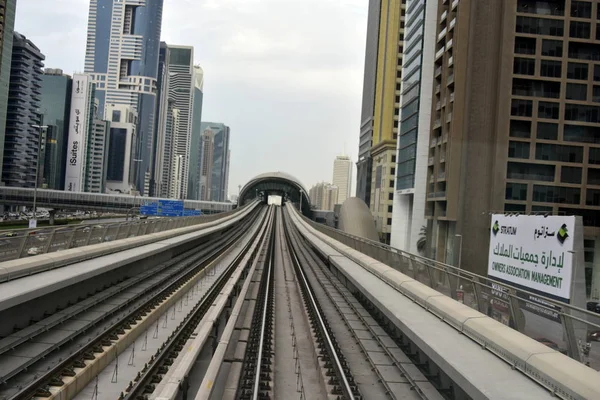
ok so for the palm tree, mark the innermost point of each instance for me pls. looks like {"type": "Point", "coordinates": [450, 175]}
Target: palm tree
{"type": "Point", "coordinates": [422, 242]}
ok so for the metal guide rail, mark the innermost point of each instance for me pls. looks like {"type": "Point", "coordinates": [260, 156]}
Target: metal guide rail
{"type": "Point", "coordinates": [345, 385]}
{"type": "Point", "coordinates": [255, 380]}
{"type": "Point", "coordinates": [172, 275]}
{"type": "Point", "coordinates": [398, 289]}
{"type": "Point", "coordinates": [21, 243]}
{"type": "Point", "coordinates": [165, 358]}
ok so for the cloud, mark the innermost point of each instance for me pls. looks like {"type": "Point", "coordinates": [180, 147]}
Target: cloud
{"type": "Point", "coordinates": [285, 75]}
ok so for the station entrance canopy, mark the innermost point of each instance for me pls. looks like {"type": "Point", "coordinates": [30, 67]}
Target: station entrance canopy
{"type": "Point", "coordinates": [276, 183]}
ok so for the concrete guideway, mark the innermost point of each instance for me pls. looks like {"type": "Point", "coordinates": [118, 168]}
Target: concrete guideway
{"type": "Point", "coordinates": [284, 349]}
{"type": "Point", "coordinates": [285, 311]}
{"type": "Point", "coordinates": [163, 283]}
{"type": "Point", "coordinates": [23, 267]}
{"type": "Point", "coordinates": [385, 363]}
{"type": "Point", "coordinates": [402, 300]}
{"type": "Point", "coordinates": [42, 276]}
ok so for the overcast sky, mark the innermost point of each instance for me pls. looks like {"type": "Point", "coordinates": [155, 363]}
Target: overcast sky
{"type": "Point", "coordinates": [285, 75]}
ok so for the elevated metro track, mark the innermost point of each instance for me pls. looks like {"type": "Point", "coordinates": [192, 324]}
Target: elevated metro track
{"type": "Point", "coordinates": [261, 305]}
{"type": "Point", "coordinates": [59, 199]}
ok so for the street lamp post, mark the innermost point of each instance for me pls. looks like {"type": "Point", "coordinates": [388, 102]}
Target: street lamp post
{"type": "Point", "coordinates": [459, 258]}
{"type": "Point", "coordinates": [135, 192]}
{"type": "Point", "coordinates": [33, 222]}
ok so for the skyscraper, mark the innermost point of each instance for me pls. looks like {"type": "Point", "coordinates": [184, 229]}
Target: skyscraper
{"type": "Point", "coordinates": [386, 114]}
{"type": "Point", "coordinates": [121, 142]}
{"type": "Point", "coordinates": [219, 164]}
{"type": "Point", "coordinates": [195, 148]}
{"type": "Point", "coordinates": [174, 141]}
{"type": "Point", "coordinates": [7, 26]}
{"type": "Point", "coordinates": [122, 59]}
{"type": "Point", "coordinates": [206, 161]}
{"type": "Point", "coordinates": [515, 122]}
{"type": "Point", "coordinates": [180, 70]}
{"type": "Point", "coordinates": [56, 107]}
{"type": "Point", "coordinates": [364, 164]}
{"type": "Point", "coordinates": [408, 215]}
{"type": "Point", "coordinates": [98, 144]}
{"type": "Point", "coordinates": [342, 178]}
{"type": "Point", "coordinates": [323, 196]}
{"type": "Point", "coordinates": [22, 145]}
{"type": "Point", "coordinates": [81, 124]}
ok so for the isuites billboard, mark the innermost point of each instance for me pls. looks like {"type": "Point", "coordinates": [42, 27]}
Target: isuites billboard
{"type": "Point", "coordinates": [532, 251]}
{"type": "Point", "coordinates": [78, 130]}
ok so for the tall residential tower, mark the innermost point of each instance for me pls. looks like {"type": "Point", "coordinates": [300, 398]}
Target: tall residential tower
{"type": "Point", "coordinates": [342, 178]}
{"type": "Point", "coordinates": [7, 26]}
{"type": "Point", "coordinates": [122, 59]}
{"type": "Point", "coordinates": [364, 164]}
{"type": "Point", "coordinates": [386, 114]}
{"type": "Point", "coordinates": [408, 216]}
{"type": "Point", "coordinates": [515, 121]}
{"type": "Point", "coordinates": [195, 149]}
{"type": "Point", "coordinates": [22, 146]}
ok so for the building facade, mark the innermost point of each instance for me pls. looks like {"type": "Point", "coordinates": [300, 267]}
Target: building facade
{"type": "Point", "coordinates": [176, 104]}
{"type": "Point", "coordinates": [195, 149]}
{"type": "Point", "coordinates": [98, 145]}
{"type": "Point", "coordinates": [7, 26]}
{"type": "Point", "coordinates": [220, 170]}
{"type": "Point", "coordinates": [364, 165]}
{"type": "Point", "coordinates": [517, 127]}
{"type": "Point", "coordinates": [214, 161]}
{"type": "Point", "coordinates": [122, 52]}
{"type": "Point", "coordinates": [56, 107]}
{"type": "Point", "coordinates": [386, 114]}
{"type": "Point", "coordinates": [121, 151]}
{"type": "Point", "coordinates": [206, 161]}
{"type": "Point", "coordinates": [81, 122]}
{"type": "Point", "coordinates": [22, 146]}
{"type": "Point", "coordinates": [408, 216]}
{"type": "Point", "coordinates": [180, 86]}
{"type": "Point", "coordinates": [342, 178]}
{"type": "Point", "coordinates": [323, 196]}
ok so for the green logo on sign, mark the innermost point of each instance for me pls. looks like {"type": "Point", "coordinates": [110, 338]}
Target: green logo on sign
{"type": "Point", "coordinates": [563, 233]}
{"type": "Point", "coordinates": [495, 228]}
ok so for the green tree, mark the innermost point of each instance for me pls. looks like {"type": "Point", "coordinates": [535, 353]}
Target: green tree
{"type": "Point", "coordinates": [422, 242]}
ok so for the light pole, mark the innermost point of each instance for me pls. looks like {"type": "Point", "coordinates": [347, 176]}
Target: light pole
{"type": "Point", "coordinates": [135, 192]}
{"type": "Point", "coordinates": [33, 222]}
{"type": "Point", "coordinates": [301, 200]}
{"type": "Point", "coordinates": [459, 258]}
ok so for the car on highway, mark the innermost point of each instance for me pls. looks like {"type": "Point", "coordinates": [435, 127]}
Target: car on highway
{"type": "Point", "coordinates": [551, 344]}
{"type": "Point", "coordinates": [8, 234]}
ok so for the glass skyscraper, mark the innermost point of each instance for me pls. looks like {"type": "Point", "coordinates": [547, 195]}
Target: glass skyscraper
{"type": "Point", "coordinates": [7, 26]}
{"type": "Point", "coordinates": [56, 106]}
{"type": "Point", "coordinates": [408, 218]}
{"type": "Point", "coordinates": [21, 141]}
{"type": "Point", "coordinates": [122, 51]}
{"type": "Point", "coordinates": [194, 169]}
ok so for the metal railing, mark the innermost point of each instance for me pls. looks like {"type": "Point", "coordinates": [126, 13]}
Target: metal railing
{"type": "Point", "coordinates": [571, 330]}
{"type": "Point", "coordinates": [31, 242]}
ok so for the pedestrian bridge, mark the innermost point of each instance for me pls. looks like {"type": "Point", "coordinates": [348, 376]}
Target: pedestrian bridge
{"type": "Point", "coordinates": [59, 199]}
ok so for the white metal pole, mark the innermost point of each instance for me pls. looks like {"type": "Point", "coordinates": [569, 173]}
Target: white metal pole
{"type": "Point", "coordinates": [459, 259]}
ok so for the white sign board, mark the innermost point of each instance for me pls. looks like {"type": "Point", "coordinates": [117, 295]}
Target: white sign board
{"type": "Point", "coordinates": [533, 251]}
{"type": "Point", "coordinates": [78, 129]}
